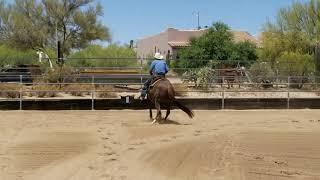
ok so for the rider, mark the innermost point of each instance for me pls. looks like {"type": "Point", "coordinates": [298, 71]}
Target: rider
{"type": "Point", "coordinates": [158, 68]}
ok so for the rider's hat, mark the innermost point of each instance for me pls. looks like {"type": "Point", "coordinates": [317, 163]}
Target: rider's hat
{"type": "Point", "coordinates": [158, 56]}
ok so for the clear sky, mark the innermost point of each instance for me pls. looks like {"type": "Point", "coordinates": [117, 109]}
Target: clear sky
{"type": "Point", "coordinates": [134, 19]}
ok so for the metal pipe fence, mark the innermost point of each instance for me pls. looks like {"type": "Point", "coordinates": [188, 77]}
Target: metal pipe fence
{"type": "Point", "coordinates": [92, 79]}
{"type": "Point", "coordinates": [94, 90]}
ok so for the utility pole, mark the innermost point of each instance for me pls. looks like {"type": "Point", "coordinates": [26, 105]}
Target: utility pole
{"type": "Point", "coordinates": [317, 49]}
{"type": "Point", "coordinates": [198, 18]}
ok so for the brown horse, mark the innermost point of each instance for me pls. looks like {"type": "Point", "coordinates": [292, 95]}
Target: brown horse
{"type": "Point", "coordinates": [162, 95]}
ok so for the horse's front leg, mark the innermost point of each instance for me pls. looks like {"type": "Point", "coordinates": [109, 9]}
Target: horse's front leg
{"type": "Point", "coordinates": [150, 108]}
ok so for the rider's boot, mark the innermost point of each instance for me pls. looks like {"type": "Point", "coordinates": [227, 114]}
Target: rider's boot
{"type": "Point", "coordinates": [143, 94]}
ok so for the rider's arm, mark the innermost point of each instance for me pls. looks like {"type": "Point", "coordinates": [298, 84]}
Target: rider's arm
{"type": "Point", "coordinates": [152, 66]}
{"type": "Point", "coordinates": [167, 68]}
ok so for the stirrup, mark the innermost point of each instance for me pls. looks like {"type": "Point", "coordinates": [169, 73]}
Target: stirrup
{"type": "Point", "coordinates": [142, 97]}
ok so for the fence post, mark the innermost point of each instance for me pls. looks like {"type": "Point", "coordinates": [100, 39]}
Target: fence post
{"type": "Point", "coordinates": [288, 93]}
{"type": "Point", "coordinates": [277, 80]}
{"type": "Point", "coordinates": [316, 82]}
{"type": "Point", "coordinates": [141, 71]}
{"type": "Point", "coordinates": [20, 93]}
{"type": "Point", "coordinates": [223, 91]}
{"type": "Point", "coordinates": [92, 92]}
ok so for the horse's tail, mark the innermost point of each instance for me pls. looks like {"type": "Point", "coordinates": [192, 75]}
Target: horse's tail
{"type": "Point", "coordinates": [184, 109]}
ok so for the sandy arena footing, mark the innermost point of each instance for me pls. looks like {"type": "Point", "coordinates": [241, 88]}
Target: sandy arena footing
{"type": "Point", "coordinates": [123, 145]}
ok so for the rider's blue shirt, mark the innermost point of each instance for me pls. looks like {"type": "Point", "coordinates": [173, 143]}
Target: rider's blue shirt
{"type": "Point", "coordinates": [159, 67]}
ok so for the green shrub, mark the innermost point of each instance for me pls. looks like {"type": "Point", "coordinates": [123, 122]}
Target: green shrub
{"type": "Point", "coordinates": [295, 64]}
{"type": "Point", "coordinates": [111, 56]}
{"type": "Point", "coordinates": [261, 72]}
{"type": "Point", "coordinates": [201, 78]}
{"type": "Point", "coordinates": [10, 56]}
{"type": "Point", "coordinates": [216, 44]}
{"type": "Point", "coordinates": [205, 76]}
{"type": "Point", "coordinates": [298, 66]}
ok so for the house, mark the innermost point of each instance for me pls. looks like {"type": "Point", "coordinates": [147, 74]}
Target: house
{"type": "Point", "coordinates": [171, 40]}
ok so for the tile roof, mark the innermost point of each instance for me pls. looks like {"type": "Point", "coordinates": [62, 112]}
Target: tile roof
{"type": "Point", "coordinates": [178, 44]}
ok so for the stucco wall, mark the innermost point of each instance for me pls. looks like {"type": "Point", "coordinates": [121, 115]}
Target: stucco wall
{"type": "Point", "coordinates": [150, 45]}
{"type": "Point", "coordinates": [159, 43]}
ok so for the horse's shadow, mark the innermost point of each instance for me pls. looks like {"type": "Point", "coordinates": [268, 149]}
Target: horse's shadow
{"type": "Point", "coordinates": [171, 122]}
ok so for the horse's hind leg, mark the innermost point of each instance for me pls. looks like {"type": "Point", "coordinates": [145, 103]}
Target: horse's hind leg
{"type": "Point", "coordinates": [150, 112]}
{"type": "Point", "coordinates": [167, 115]}
{"type": "Point", "coordinates": [158, 107]}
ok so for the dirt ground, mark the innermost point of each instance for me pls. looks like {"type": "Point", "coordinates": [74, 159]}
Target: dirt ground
{"type": "Point", "coordinates": [123, 145]}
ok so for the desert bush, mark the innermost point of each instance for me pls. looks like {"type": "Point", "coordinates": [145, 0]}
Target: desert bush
{"type": "Point", "coordinates": [107, 95]}
{"type": "Point", "coordinates": [10, 90]}
{"type": "Point", "coordinates": [190, 76]}
{"type": "Point", "coordinates": [65, 74]}
{"type": "Point", "coordinates": [181, 89]}
{"type": "Point", "coordinates": [43, 90]}
{"type": "Point", "coordinates": [106, 91]}
{"type": "Point", "coordinates": [78, 89]}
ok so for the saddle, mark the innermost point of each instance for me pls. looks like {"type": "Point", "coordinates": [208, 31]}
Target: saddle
{"type": "Point", "coordinates": [156, 80]}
